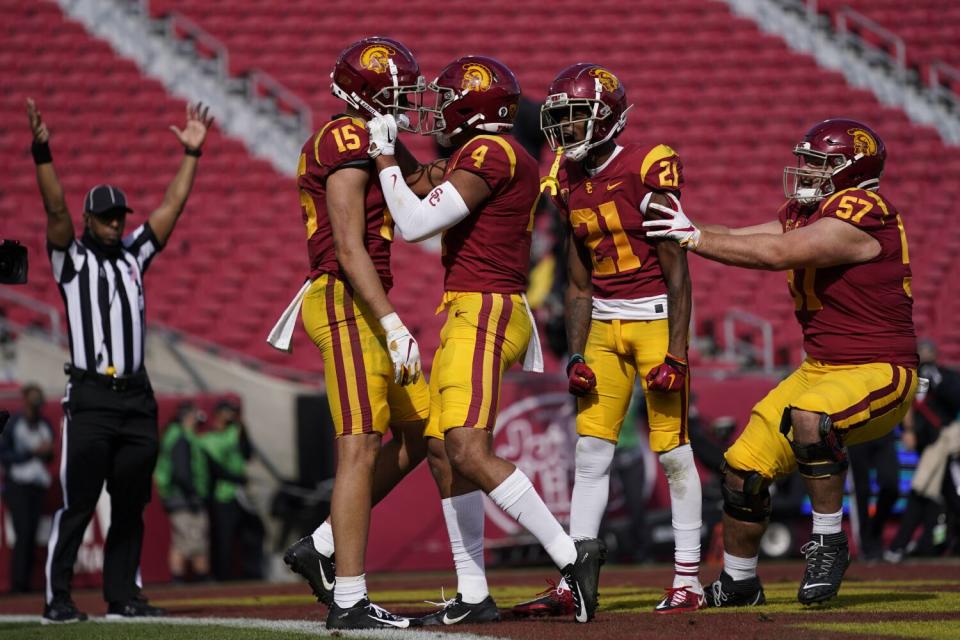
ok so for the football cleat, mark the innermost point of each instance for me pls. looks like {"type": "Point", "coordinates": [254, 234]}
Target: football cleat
{"type": "Point", "coordinates": [583, 577]}
{"type": "Point", "coordinates": [681, 600]}
{"type": "Point", "coordinates": [727, 592]}
{"type": "Point", "coordinates": [62, 611]}
{"type": "Point", "coordinates": [456, 611]}
{"type": "Point", "coordinates": [828, 556]}
{"type": "Point", "coordinates": [319, 570]}
{"type": "Point", "coordinates": [364, 615]}
{"type": "Point", "coordinates": [555, 600]}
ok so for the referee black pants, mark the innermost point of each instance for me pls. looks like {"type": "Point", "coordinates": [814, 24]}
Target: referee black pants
{"type": "Point", "coordinates": [110, 436]}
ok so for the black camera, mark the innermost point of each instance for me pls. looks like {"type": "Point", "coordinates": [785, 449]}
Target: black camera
{"type": "Point", "coordinates": [13, 262]}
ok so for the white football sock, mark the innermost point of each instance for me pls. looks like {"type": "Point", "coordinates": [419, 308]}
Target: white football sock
{"type": "Point", "coordinates": [739, 568]}
{"type": "Point", "coordinates": [825, 523]}
{"type": "Point", "coordinates": [686, 503]}
{"type": "Point", "coordinates": [517, 497]}
{"type": "Point", "coordinates": [323, 538]}
{"type": "Point", "coordinates": [464, 517]}
{"type": "Point", "coordinates": [591, 487]}
{"type": "Point", "coordinates": [349, 590]}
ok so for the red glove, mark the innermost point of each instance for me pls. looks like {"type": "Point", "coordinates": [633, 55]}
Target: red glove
{"type": "Point", "coordinates": [581, 377]}
{"type": "Point", "coordinates": [669, 376]}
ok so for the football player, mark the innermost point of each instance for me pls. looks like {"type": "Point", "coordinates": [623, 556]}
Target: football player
{"type": "Point", "coordinates": [627, 314]}
{"type": "Point", "coordinates": [371, 362]}
{"type": "Point", "coordinates": [844, 249]}
{"type": "Point", "coordinates": [484, 207]}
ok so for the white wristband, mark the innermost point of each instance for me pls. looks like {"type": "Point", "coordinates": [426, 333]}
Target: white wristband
{"type": "Point", "coordinates": [390, 322]}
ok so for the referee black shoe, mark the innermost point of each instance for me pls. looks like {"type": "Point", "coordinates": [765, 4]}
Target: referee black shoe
{"type": "Point", "coordinates": [828, 556]}
{"type": "Point", "coordinates": [583, 577]}
{"type": "Point", "coordinates": [62, 611]}
{"type": "Point", "coordinates": [136, 607]}
{"type": "Point", "coordinates": [727, 592]}
{"type": "Point", "coordinates": [364, 615]}
{"type": "Point", "coordinates": [456, 611]}
{"type": "Point", "coordinates": [319, 570]}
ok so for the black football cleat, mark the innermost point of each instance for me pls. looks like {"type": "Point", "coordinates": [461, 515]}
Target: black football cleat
{"type": "Point", "coordinates": [136, 607]}
{"type": "Point", "coordinates": [62, 611]}
{"type": "Point", "coordinates": [319, 570]}
{"type": "Point", "coordinates": [583, 577]}
{"type": "Point", "coordinates": [456, 611]}
{"type": "Point", "coordinates": [727, 592]}
{"type": "Point", "coordinates": [364, 615]}
{"type": "Point", "coordinates": [828, 556]}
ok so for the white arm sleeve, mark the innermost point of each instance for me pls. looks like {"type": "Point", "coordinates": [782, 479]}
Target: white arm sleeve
{"type": "Point", "coordinates": [419, 219]}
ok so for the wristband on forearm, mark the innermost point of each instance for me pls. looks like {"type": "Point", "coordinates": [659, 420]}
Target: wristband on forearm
{"type": "Point", "coordinates": [41, 152]}
{"type": "Point", "coordinates": [196, 153]}
{"type": "Point", "coordinates": [575, 359]}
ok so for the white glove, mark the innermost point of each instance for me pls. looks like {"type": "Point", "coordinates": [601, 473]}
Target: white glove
{"type": "Point", "coordinates": [675, 226]}
{"type": "Point", "coordinates": [403, 348]}
{"type": "Point", "coordinates": [383, 136]}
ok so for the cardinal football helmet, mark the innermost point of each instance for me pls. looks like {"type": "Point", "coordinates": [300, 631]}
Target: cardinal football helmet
{"type": "Point", "coordinates": [472, 92]}
{"type": "Point", "coordinates": [587, 93]}
{"type": "Point", "coordinates": [835, 154]}
{"type": "Point", "coordinates": [379, 76]}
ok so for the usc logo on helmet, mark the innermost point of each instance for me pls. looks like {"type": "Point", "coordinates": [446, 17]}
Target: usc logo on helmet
{"type": "Point", "coordinates": [607, 80]}
{"type": "Point", "coordinates": [375, 58]}
{"type": "Point", "coordinates": [476, 77]}
{"type": "Point", "coordinates": [863, 142]}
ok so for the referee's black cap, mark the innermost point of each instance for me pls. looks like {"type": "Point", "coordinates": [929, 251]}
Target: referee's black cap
{"type": "Point", "coordinates": [105, 198]}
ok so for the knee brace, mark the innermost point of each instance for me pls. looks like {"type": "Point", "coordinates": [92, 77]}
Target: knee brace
{"type": "Point", "coordinates": [752, 503]}
{"type": "Point", "coordinates": [818, 459]}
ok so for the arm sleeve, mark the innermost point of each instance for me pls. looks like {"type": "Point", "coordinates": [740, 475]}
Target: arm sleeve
{"type": "Point", "coordinates": [420, 219]}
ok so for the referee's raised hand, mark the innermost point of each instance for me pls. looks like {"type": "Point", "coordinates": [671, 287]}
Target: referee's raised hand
{"type": "Point", "coordinates": [194, 132]}
{"type": "Point", "coordinates": [37, 126]}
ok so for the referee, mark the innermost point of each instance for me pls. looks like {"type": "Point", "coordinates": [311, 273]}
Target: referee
{"type": "Point", "coordinates": [110, 426]}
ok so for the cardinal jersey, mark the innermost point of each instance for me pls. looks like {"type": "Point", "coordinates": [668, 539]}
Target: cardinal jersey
{"type": "Point", "coordinates": [603, 211]}
{"type": "Point", "coordinates": [342, 142]}
{"type": "Point", "coordinates": [489, 250]}
{"type": "Point", "coordinates": [857, 313]}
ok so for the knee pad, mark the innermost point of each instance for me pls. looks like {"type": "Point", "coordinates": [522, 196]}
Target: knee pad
{"type": "Point", "coordinates": [822, 459]}
{"type": "Point", "coordinates": [752, 503]}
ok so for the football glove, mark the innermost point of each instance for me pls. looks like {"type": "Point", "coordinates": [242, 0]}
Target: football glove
{"type": "Point", "coordinates": [403, 348]}
{"type": "Point", "coordinates": [581, 378]}
{"type": "Point", "coordinates": [675, 226]}
{"type": "Point", "coordinates": [670, 375]}
{"type": "Point", "coordinates": [383, 136]}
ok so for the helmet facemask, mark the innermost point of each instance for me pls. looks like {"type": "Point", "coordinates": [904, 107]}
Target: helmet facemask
{"type": "Point", "coordinates": [433, 122]}
{"type": "Point", "coordinates": [395, 99]}
{"type": "Point", "coordinates": [812, 179]}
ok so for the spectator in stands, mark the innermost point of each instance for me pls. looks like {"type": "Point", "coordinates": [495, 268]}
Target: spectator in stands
{"type": "Point", "coordinates": [232, 518]}
{"type": "Point", "coordinates": [183, 483]}
{"type": "Point", "coordinates": [879, 456]}
{"type": "Point", "coordinates": [923, 427]}
{"type": "Point", "coordinates": [26, 449]}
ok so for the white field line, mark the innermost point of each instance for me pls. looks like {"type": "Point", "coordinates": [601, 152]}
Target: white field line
{"type": "Point", "coordinates": [299, 626]}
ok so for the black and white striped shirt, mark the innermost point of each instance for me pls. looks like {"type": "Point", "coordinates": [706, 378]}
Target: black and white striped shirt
{"type": "Point", "coordinates": [104, 301]}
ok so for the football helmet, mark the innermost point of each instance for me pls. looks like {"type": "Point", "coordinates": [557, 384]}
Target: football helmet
{"type": "Point", "coordinates": [379, 76]}
{"type": "Point", "coordinates": [586, 93]}
{"type": "Point", "coordinates": [835, 154]}
{"type": "Point", "coordinates": [472, 92]}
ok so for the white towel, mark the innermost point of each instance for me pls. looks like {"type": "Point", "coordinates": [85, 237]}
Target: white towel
{"type": "Point", "coordinates": [281, 335]}
{"type": "Point", "coordinates": [533, 360]}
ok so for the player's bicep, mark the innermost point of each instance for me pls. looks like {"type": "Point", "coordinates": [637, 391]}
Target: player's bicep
{"type": "Point", "coordinates": [346, 192]}
{"type": "Point", "coordinates": [673, 262]}
{"type": "Point", "coordinates": [829, 242]}
{"type": "Point", "coordinates": [471, 187]}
